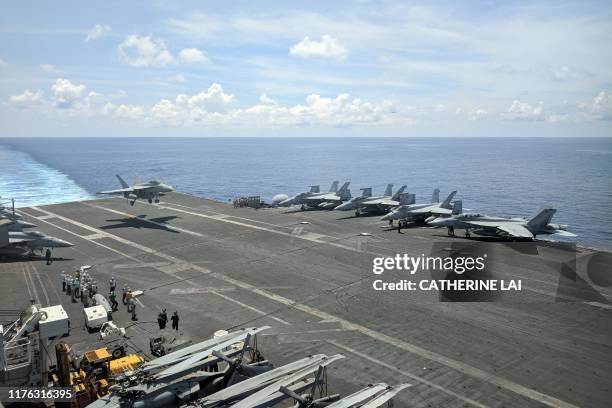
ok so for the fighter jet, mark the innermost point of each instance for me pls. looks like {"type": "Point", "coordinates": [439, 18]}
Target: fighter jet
{"type": "Point", "coordinates": [27, 243]}
{"type": "Point", "coordinates": [369, 204]}
{"type": "Point", "coordinates": [513, 228]}
{"type": "Point", "coordinates": [421, 212]}
{"type": "Point", "coordinates": [298, 198]}
{"type": "Point", "coordinates": [328, 201]}
{"type": "Point", "coordinates": [151, 190]}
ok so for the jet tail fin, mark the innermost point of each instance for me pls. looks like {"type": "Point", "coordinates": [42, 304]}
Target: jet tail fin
{"type": "Point", "coordinates": [122, 181]}
{"type": "Point", "coordinates": [366, 192]}
{"type": "Point", "coordinates": [457, 207]}
{"type": "Point", "coordinates": [406, 199]}
{"type": "Point", "coordinates": [446, 203]}
{"type": "Point", "coordinates": [397, 194]}
{"type": "Point", "coordinates": [541, 219]}
{"type": "Point", "coordinates": [315, 189]}
{"type": "Point", "coordinates": [334, 187]}
{"type": "Point", "coordinates": [389, 190]}
{"type": "Point", "coordinates": [435, 197]}
{"type": "Point", "coordinates": [344, 188]}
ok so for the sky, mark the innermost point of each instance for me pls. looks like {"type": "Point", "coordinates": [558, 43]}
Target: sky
{"type": "Point", "coordinates": [282, 68]}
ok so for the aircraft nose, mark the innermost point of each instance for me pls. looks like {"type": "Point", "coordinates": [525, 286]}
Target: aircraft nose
{"type": "Point", "coordinates": [65, 244]}
{"type": "Point", "coordinates": [387, 216]}
{"type": "Point", "coordinates": [437, 222]}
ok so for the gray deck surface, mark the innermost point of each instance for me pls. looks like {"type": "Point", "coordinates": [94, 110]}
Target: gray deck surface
{"type": "Point", "coordinates": [222, 267]}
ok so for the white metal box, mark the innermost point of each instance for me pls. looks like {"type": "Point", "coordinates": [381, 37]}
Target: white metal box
{"type": "Point", "coordinates": [54, 322]}
{"type": "Point", "coordinates": [95, 316]}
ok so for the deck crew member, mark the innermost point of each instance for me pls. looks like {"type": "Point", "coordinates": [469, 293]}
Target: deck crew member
{"type": "Point", "coordinates": [175, 320]}
{"type": "Point", "coordinates": [48, 256]}
{"type": "Point", "coordinates": [113, 299]}
{"type": "Point", "coordinates": [112, 283]}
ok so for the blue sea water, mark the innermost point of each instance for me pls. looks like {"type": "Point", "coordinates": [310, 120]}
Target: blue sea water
{"type": "Point", "coordinates": [500, 176]}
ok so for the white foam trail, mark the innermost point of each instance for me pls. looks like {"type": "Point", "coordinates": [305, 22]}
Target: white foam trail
{"type": "Point", "coordinates": [32, 183]}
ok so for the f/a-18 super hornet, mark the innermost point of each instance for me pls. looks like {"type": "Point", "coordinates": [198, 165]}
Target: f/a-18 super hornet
{"type": "Point", "coordinates": [150, 190]}
{"type": "Point", "coordinates": [27, 243]}
{"type": "Point", "coordinates": [328, 201]}
{"type": "Point", "coordinates": [314, 191]}
{"type": "Point", "coordinates": [369, 204]}
{"type": "Point", "coordinates": [422, 212]}
{"type": "Point", "coordinates": [512, 228]}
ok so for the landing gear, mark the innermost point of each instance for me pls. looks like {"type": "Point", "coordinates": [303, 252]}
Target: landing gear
{"type": "Point", "coordinates": [303, 207]}
{"type": "Point", "coordinates": [150, 201]}
{"type": "Point", "coordinates": [451, 231]}
{"type": "Point", "coordinates": [157, 200]}
{"type": "Point", "coordinates": [132, 202]}
{"type": "Point", "coordinates": [357, 213]}
{"type": "Point", "coordinates": [467, 233]}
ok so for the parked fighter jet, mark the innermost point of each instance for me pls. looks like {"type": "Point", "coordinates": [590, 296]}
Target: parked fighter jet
{"type": "Point", "coordinates": [314, 190]}
{"type": "Point", "coordinates": [514, 228]}
{"type": "Point", "coordinates": [328, 201]}
{"type": "Point", "coordinates": [367, 203]}
{"type": "Point", "coordinates": [27, 243]}
{"type": "Point", "coordinates": [151, 190]}
{"type": "Point", "coordinates": [421, 212]}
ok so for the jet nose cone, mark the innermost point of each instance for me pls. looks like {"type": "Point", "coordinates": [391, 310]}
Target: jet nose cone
{"type": "Point", "coordinates": [437, 222]}
{"type": "Point", "coordinates": [65, 244]}
{"type": "Point", "coordinates": [387, 217]}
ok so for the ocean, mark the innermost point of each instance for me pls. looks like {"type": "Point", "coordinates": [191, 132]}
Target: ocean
{"type": "Point", "coordinates": [495, 176]}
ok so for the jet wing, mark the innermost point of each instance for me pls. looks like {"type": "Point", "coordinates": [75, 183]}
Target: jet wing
{"type": "Point", "coordinates": [375, 395]}
{"type": "Point", "coordinates": [256, 399]}
{"type": "Point", "coordinates": [118, 191]}
{"type": "Point", "coordinates": [562, 233]}
{"type": "Point", "coordinates": [385, 396]}
{"type": "Point", "coordinates": [513, 229]}
{"type": "Point", "coordinates": [251, 386]}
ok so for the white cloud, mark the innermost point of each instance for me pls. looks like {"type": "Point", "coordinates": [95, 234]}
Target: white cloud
{"type": "Point", "coordinates": [123, 111]}
{"type": "Point", "coordinates": [67, 94]}
{"type": "Point", "coordinates": [475, 113]}
{"type": "Point", "coordinates": [328, 47]}
{"type": "Point", "coordinates": [145, 51]}
{"type": "Point", "coordinates": [178, 78]}
{"type": "Point", "coordinates": [27, 99]}
{"type": "Point", "coordinates": [600, 107]}
{"type": "Point", "coordinates": [98, 31]}
{"type": "Point", "coordinates": [524, 111]}
{"type": "Point", "coordinates": [49, 68]}
{"type": "Point", "coordinates": [564, 73]}
{"type": "Point", "coordinates": [192, 55]}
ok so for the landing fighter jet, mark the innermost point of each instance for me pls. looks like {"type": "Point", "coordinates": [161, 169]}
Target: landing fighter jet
{"type": "Point", "coordinates": [314, 190]}
{"type": "Point", "coordinates": [513, 228]}
{"type": "Point", "coordinates": [421, 212]}
{"type": "Point", "coordinates": [151, 190]}
{"type": "Point", "coordinates": [367, 203]}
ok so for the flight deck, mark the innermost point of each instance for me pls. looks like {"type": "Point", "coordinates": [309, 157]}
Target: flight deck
{"type": "Point", "coordinates": [308, 275]}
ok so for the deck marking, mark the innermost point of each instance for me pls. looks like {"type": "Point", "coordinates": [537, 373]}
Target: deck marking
{"type": "Point", "coordinates": [27, 283]}
{"type": "Point", "coordinates": [406, 374]}
{"type": "Point", "coordinates": [401, 344]}
{"type": "Point", "coordinates": [34, 272]}
{"type": "Point", "coordinates": [29, 276]}
{"type": "Point", "coordinates": [261, 312]}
